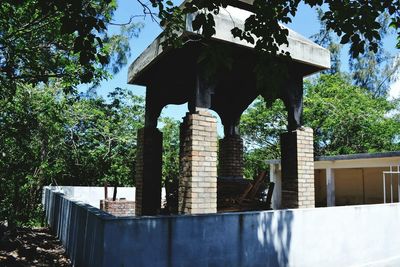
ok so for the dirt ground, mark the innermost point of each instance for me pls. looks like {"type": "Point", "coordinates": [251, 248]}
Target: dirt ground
{"type": "Point", "coordinates": [32, 247]}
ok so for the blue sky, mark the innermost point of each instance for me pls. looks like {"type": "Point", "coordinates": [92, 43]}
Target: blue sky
{"type": "Point", "coordinates": [305, 23]}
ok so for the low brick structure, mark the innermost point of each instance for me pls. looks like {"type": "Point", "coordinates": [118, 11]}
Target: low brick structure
{"type": "Point", "coordinates": [198, 163]}
{"type": "Point", "coordinates": [231, 157]}
{"type": "Point", "coordinates": [298, 169]}
{"type": "Point", "coordinates": [119, 207]}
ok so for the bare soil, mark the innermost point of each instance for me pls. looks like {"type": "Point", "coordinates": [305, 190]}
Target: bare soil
{"type": "Point", "coordinates": [32, 247]}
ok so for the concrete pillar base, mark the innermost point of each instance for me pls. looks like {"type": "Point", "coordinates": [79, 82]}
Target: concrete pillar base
{"type": "Point", "coordinates": [198, 167]}
{"type": "Point", "coordinates": [148, 172]}
{"type": "Point", "coordinates": [298, 169]}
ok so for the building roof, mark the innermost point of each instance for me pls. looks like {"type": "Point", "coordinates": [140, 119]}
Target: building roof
{"type": "Point", "coordinates": [348, 157]}
{"type": "Point", "coordinates": [359, 156]}
{"type": "Point", "coordinates": [354, 160]}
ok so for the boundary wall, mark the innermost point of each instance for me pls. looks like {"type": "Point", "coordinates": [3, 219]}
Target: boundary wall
{"type": "Point", "coordinates": [364, 235]}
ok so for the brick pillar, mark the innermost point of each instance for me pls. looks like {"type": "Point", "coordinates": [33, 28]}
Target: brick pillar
{"type": "Point", "coordinates": [148, 172]}
{"type": "Point", "coordinates": [198, 163]}
{"type": "Point", "coordinates": [231, 157]}
{"type": "Point", "coordinates": [297, 153]}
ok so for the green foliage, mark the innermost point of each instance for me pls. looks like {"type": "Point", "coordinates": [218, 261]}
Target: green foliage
{"type": "Point", "coordinates": [101, 138]}
{"type": "Point", "coordinates": [49, 137]}
{"type": "Point", "coordinates": [327, 38]}
{"type": "Point", "coordinates": [170, 168]}
{"type": "Point", "coordinates": [30, 130]}
{"type": "Point", "coordinates": [260, 126]}
{"type": "Point", "coordinates": [358, 23]}
{"type": "Point", "coordinates": [255, 162]}
{"type": "Point", "coordinates": [346, 119]}
{"type": "Point", "coordinates": [374, 71]}
{"type": "Point", "coordinates": [65, 40]}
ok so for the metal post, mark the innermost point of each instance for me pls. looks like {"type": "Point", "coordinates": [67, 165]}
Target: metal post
{"type": "Point", "coordinates": [391, 184]}
{"type": "Point", "coordinates": [384, 188]}
{"type": "Point", "coordinates": [398, 183]}
{"type": "Point", "coordinates": [105, 191]}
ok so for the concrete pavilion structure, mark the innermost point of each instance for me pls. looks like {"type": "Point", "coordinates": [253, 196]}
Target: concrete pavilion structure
{"type": "Point", "coordinates": [174, 76]}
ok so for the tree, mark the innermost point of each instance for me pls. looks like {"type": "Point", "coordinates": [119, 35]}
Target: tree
{"type": "Point", "coordinates": [374, 71]}
{"type": "Point", "coordinates": [356, 22]}
{"type": "Point", "coordinates": [42, 39]}
{"type": "Point", "coordinates": [31, 127]}
{"type": "Point", "coordinates": [260, 127]}
{"type": "Point", "coordinates": [328, 39]}
{"type": "Point", "coordinates": [170, 168]}
{"type": "Point", "coordinates": [49, 137]}
{"type": "Point", "coordinates": [101, 139]}
{"type": "Point", "coordinates": [63, 40]}
{"type": "Point", "coordinates": [346, 119]}
{"type": "Point", "coordinates": [170, 162]}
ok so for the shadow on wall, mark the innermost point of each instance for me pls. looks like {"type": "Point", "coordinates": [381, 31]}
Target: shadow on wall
{"type": "Point", "coordinates": [266, 238]}
{"type": "Point", "coordinates": [94, 238]}
{"type": "Point", "coordinates": [250, 239]}
{"type": "Point", "coordinates": [78, 226]}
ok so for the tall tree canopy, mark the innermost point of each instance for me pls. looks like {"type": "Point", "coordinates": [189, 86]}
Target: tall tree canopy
{"type": "Point", "coordinates": [41, 39]}
{"type": "Point", "coordinates": [374, 71]}
{"type": "Point", "coordinates": [346, 119]}
{"type": "Point", "coordinates": [361, 24]}
{"type": "Point", "coordinates": [67, 40]}
{"type": "Point", "coordinates": [49, 138]}
{"type": "Point", "coordinates": [356, 22]}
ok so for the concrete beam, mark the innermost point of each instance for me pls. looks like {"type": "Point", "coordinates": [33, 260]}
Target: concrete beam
{"type": "Point", "coordinates": [358, 163]}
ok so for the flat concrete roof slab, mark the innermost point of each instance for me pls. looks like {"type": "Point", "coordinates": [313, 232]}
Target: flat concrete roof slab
{"type": "Point", "coordinates": [300, 48]}
{"type": "Point", "coordinates": [354, 160]}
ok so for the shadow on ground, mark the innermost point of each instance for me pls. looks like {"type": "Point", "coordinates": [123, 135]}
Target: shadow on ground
{"type": "Point", "coordinates": [32, 247]}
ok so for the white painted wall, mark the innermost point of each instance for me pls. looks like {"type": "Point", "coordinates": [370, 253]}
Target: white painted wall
{"type": "Point", "coordinates": [365, 235]}
{"type": "Point", "coordinates": [92, 195]}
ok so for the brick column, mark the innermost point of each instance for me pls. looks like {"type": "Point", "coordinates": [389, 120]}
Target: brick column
{"type": "Point", "coordinates": [198, 163]}
{"type": "Point", "coordinates": [231, 157]}
{"type": "Point", "coordinates": [148, 172]}
{"type": "Point", "coordinates": [297, 153]}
